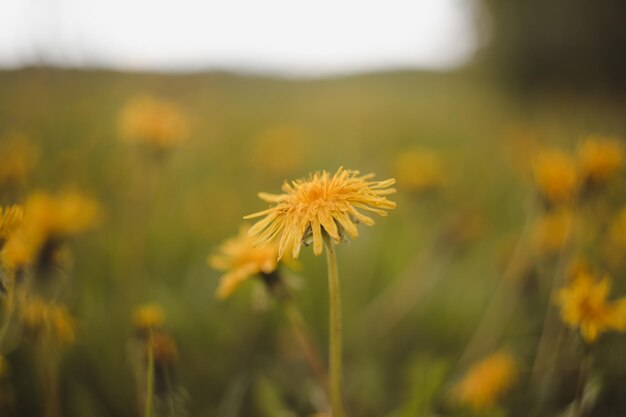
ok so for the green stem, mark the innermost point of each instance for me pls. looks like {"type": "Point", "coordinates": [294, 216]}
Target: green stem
{"type": "Point", "coordinates": [301, 332]}
{"type": "Point", "coordinates": [335, 348]}
{"type": "Point", "coordinates": [170, 394]}
{"type": "Point", "coordinates": [583, 373]}
{"type": "Point", "coordinates": [150, 378]}
{"type": "Point", "coordinates": [9, 310]}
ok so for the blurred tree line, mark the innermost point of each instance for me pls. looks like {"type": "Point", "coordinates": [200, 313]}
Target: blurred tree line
{"type": "Point", "coordinates": [573, 44]}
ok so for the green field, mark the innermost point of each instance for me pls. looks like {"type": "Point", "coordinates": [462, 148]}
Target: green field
{"type": "Point", "coordinates": [415, 286]}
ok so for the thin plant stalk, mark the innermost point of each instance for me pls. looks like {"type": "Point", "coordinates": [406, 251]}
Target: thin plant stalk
{"type": "Point", "coordinates": [335, 342]}
{"type": "Point", "coordinates": [301, 332]}
{"type": "Point", "coordinates": [170, 394]}
{"type": "Point", "coordinates": [48, 364]}
{"type": "Point", "coordinates": [583, 374]}
{"type": "Point", "coordinates": [547, 348]}
{"type": "Point", "coordinates": [503, 302]}
{"type": "Point", "coordinates": [150, 378]}
{"type": "Point", "coordinates": [9, 311]}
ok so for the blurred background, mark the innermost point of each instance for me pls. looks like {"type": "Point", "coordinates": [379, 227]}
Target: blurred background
{"type": "Point", "coordinates": [171, 116]}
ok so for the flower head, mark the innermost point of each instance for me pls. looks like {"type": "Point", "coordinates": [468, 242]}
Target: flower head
{"type": "Point", "coordinates": [268, 149]}
{"type": "Point", "coordinates": [322, 203]}
{"type": "Point", "coordinates": [48, 319]}
{"type": "Point", "coordinates": [420, 171]}
{"type": "Point", "coordinates": [584, 306]}
{"type": "Point", "coordinates": [617, 229]}
{"type": "Point", "coordinates": [148, 316]}
{"type": "Point", "coordinates": [154, 122]}
{"type": "Point", "coordinates": [10, 220]}
{"type": "Point", "coordinates": [600, 158]}
{"type": "Point", "coordinates": [555, 175]}
{"type": "Point", "coordinates": [486, 381]}
{"type": "Point", "coordinates": [18, 157]}
{"type": "Point", "coordinates": [553, 230]}
{"type": "Point", "coordinates": [47, 221]}
{"type": "Point", "coordinates": [242, 260]}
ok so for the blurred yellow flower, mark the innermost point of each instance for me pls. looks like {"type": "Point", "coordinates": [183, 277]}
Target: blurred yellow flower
{"type": "Point", "coordinates": [152, 121]}
{"type": "Point", "coordinates": [419, 170]}
{"type": "Point", "coordinates": [600, 158]}
{"type": "Point", "coordinates": [10, 220]}
{"type": "Point", "coordinates": [148, 316]}
{"type": "Point", "coordinates": [584, 306]}
{"type": "Point", "coordinates": [486, 381]}
{"type": "Point", "coordinates": [553, 230]}
{"type": "Point", "coordinates": [617, 229]}
{"type": "Point", "coordinates": [48, 319]}
{"type": "Point", "coordinates": [555, 175]}
{"type": "Point", "coordinates": [268, 150]}
{"type": "Point", "coordinates": [578, 265]}
{"type": "Point", "coordinates": [323, 202]}
{"type": "Point", "coordinates": [18, 157]}
{"type": "Point", "coordinates": [47, 221]}
{"type": "Point", "coordinates": [241, 260]}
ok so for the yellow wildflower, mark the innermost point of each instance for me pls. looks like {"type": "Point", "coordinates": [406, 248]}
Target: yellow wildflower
{"type": "Point", "coordinates": [486, 381]}
{"type": "Point", "coordinates": [47, 221]}
{"type": "Point", "coordinates": [10, 219]}
{"type": "Point", "coordinates": [268, 150]}
{"type": "Point", "coordinates": [617, 229]}
{"type": "Point", "coordinates": [577, 266]}
{"type": "Point", "coordinates": [553, 230]}
{"type": "Point", "coordinates": [584, 306]}
{"type": "Point", "coordinates": [419, 170]}
{"type": "Point", "coordinates": [17, 159]}
{"type": "Point", "coordinates": [600, 158]}
{"type": "Point", "coordinates": [50, 319]}
{"type": "Point", "coordinates": [241, 260]}
{"type": "Point", "coordinates": [555, 175]}
{"type": "Point", "coordinates": [321, 202]}
{"type": "Point", "coordinates": [154, 122]}
{"type": "Point", "coordinates": [148, 316]}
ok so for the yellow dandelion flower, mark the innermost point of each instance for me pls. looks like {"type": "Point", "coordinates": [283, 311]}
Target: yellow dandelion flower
{"type": "Point", "coordinates": [322, 203]}
{"type": "Point", "coordinates": [617, 229]}
{"type": "Point", "coordinates": [486, 381]}
{"type": "Point", "coordinates": [584, 306]}
{"type": "Point", "coordinates": [17, 253]}
{"type": "Point", "coordinates": [577, 266]}
{"type": "Point", "coordinates": [10, 219]}
{"type": "Point", "coordinates": [62, 325]}
{"type": "Point", "coordinates": [62, 215]}
{"type": "Point", "coordinates": [48, 220]}
{"type": "Point", "coordinates": [242, 260]}
{"type": "Point", "coordinates": [148, 316]}
{"type": "Point", "coordinates": [600, 158]}
{"type": "Point", "coordinates": [552, 231]}
{"type": "Point", "coordinates": [154, 122]}
{"type": "Point", "coordinates": [41, 318]}
{"type": "Point", "coordinates": [18, 157]}
{"type": "Point", "coordinates": [555, 175]}
{"type": "Point", "coordinates": [267, 151]}
{"type": "Point", "coordinates": [419, 170]}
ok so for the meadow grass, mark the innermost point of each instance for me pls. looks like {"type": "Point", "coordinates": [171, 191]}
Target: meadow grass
{"type": "Point", "coordinates": [453, 261]}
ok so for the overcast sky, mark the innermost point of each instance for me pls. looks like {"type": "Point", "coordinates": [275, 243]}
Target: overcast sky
{"type": "Point", "coordinates": [314, 37]}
